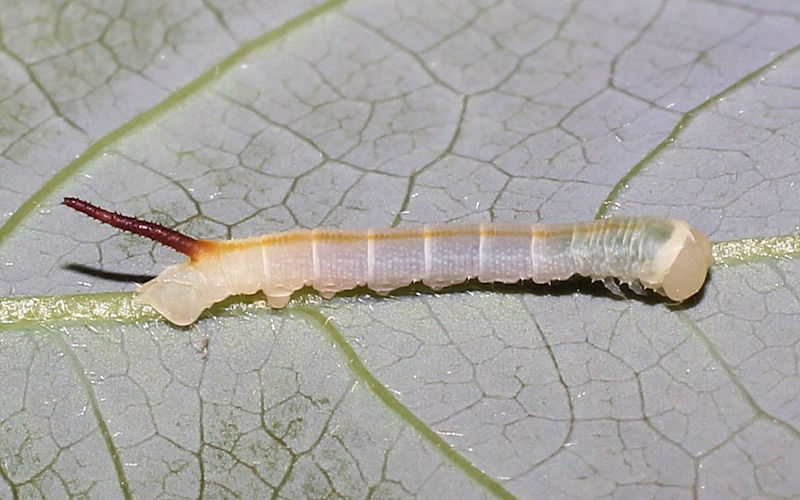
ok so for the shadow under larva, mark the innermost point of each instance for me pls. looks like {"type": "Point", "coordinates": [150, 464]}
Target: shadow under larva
{"type": "Point", "coordinates": [109, 275]}
{"type": "Point", "coordinates": [662, 255]}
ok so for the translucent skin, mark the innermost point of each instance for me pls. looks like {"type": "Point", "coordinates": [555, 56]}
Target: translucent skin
{"type": "Point", "coordinates": [180, 293]}
{"type": "Point", "coordinates": [687, 273]}
{"type": "Point", "coordinates": [664, 255]}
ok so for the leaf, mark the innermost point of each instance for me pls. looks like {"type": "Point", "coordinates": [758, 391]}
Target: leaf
{"type": "Point", "coordinates": [226, 120]}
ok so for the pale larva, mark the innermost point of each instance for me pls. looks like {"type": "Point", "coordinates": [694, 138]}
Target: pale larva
{"type": "Point", "coordinates": [664, 255]}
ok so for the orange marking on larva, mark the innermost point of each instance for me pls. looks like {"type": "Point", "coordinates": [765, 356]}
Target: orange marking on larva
{"type": "Point", "coordinates": [392, 234]}
{"type": "Point", "coordinates": [299, 236]}
{"type": "Point", "coordinates": [211, 248]}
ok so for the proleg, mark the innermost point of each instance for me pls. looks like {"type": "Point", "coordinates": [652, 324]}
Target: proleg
{"type": "Point", "coordinates": [664, 255]}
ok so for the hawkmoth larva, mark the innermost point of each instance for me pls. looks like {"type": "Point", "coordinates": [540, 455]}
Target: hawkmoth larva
{"type": "Point", "coordinates": [664, 255]}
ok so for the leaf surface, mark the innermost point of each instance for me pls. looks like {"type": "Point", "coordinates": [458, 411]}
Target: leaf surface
{"type": "Point", "coordinates": [226, 119]}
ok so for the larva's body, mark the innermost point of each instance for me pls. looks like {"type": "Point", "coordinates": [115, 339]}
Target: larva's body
{"type": "Point", "coordinates": [664, 255]}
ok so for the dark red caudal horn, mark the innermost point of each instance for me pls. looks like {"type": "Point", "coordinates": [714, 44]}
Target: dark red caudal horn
{"type": "Point", "coordinates": [164, 235]}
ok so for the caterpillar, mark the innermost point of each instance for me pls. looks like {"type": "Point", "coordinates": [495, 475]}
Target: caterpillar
{"type": "Point", "coordinates": [664, 255]}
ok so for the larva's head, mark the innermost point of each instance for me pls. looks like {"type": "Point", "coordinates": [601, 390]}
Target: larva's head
{"type": "Point", "coordinates": [691, 257]}
{"type": "Point", "coordinates": [179, 293]}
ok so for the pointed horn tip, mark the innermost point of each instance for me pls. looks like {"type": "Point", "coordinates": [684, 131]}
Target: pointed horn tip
{"type": "Point", "coordinates": [71, 202]}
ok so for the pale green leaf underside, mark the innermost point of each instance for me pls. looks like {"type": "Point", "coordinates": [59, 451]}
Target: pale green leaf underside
{"type": "Point", "coordinates": [227, 119]}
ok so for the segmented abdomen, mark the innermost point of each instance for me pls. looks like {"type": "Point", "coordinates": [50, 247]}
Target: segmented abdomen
{"type": "Point", "coordinates": [439, 255]}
